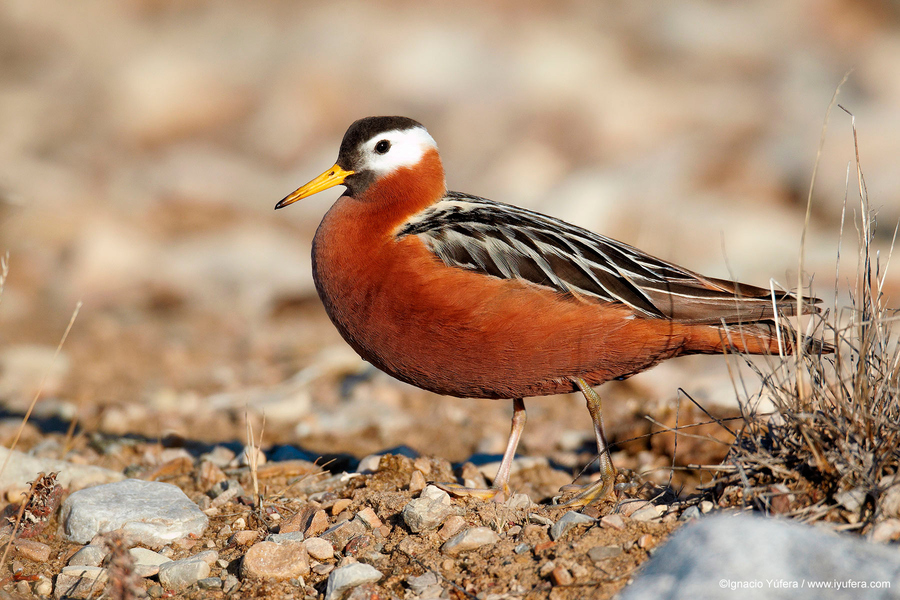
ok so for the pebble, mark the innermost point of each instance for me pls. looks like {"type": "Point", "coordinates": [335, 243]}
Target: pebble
{"type": "Point", "coordinates": [179, 574]}
{"type": "Point", "coordinates": [319, 549]}
{"type": "Point", "coordinates": [520, 502]}
{"type": "Point", "coordinates": [417, 481]}
{"type": "Point", "coordinates": [706, 506]}
{"type": "Point", "coordinates": [427, 585]}
{"type": "Point", "coordinates": [280, 538]}
{"type": "Point", "coordinates": [149, 513]}
{"type": "Point", "coordinates": [43, 588]}
{"type": "Point", "coordinates": [230, 584]}
{"type": "Point", "coordinates": [469, 539]}
{"type": "Point", "coordinates": [369, 464]}
{"type": "Point", "coordinates": [344, 578]}
{"type": "Point", "coordinates": [433, 492]}
{"type": "Point", "coordinates": [220, 456]}
{"type": "Point", "coordinates": [317, 524]}
{"type": "Point", "coordinates": [646, 541]}
{"type": "Point", "coordinates": [341, 533]}
{"type": "Point", "coordinates": [540, 519]}
{"type": "Point", "coordinates": [601, 553]}
{"type": "Point", "coordinates": [80, 582]}
{"type": "Point", "coordinates": [225, 491]}
{"type": "Point", "coordinates": [245, 538]}
{"type": "Point", "coordinates": [691, 513]}
{"type": "Point", "coordinates": [522, 548]}
{"type": "Point", "coordinates": [210, 583]}
{"type": "Point", "coordinates": [268, 560]}
{"type": "Point", "coordinates": [424, 513]}
{"type": "Point", "coordinates": [567, 522]}
{"type": "Point", "coordinates": [340, 506]}
{"type": "Point", "coordinates": [614, 521]}
{"type": "Point", "coordinates": [453, 525]}
{"type": "Point", "coordinates": [147, 562]}
{"type": "Point", "coordinates": [34, 551]}
{"type": "Point", "coordinates": [368, 516]}
{"type": "Point", "coordinates": [647, 513]}
{"type": "Point", "coordinates": [89, 556]}
{"type": "Point", "coordinates": [561, 576]}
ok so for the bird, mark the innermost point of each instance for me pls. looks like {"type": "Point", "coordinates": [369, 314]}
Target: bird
{"type": "Point", "coordinates": [467, 297]}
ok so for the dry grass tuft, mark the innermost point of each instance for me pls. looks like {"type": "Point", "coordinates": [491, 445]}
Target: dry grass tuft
{"type": "Point", "coordinates": [831, 451]}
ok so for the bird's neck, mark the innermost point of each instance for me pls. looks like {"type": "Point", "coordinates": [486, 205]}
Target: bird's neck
{"type": "Point", "coordinates": [392, 199]}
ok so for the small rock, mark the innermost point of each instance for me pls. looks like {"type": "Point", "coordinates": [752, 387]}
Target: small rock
{"type": "Point", "coordinates": [426, 513]}
{"type": "Point", "coordinates": [601, 553]}
{"type": "Point", "coordinates": [156, 591]}
{"type": "Point", "coordinates": [369, 464]}
{"type": "Point", "coordinates": [453, 525]}
{"type": "Point", "coordinates": [319, 549]}
{"type": "Point", "coordinates": [339, 506]}
{"type": "Point", "coordinates": [243, 458]}
{"type": "Point", "coordinates": [210, 583]}
{"type": "Point", "coordinates": [150, 513]}
{"type": "Point", "coordinates": [646, 541]}
{"type": "Point", "coordinates": [520, 502]}
{"type": "Point", "coordinates": [179, 574]}
{"type": "Point", "coordinates": [521, 548]}
{"type": "Point", "coordinates": [561, 576]}
{"type": "Point", "coordinates": [368, 516]}
{"type": "Point", "coordinates": [567, 522]}
{"type": "Point", "coordinates": [230, 584]}
{"type": "Point", "coordinates": [80, 582]}
{"type": "Point", "coordinates": [225, 491]}
{"type": "Point", "coordinates": [546, 568]}
{"type": "Point", "coordinates": [317, 524]}
{"type": "Point", "coordinates": [691, 513]}
{"type": "Point", "coordinates": [427, 585]}
{"type": "Point", "coordinates": [220, 456]}
{"type": "Point", "coordinates": [706, 506]}
{"type": "Point", "coordinates": [268, 560]}
{"type": "Point", "coordinates": [22, 468]}
{"type": "Point", "coordinates": [341, 580]}
{"type": "Point", "coordinates": [34, 551]}
{"type": "Point", "coordinates": [244, 538]}
{"type": "Point", "coordinates": [647, 513]}
{"type": "Point", "coordinates": [435, 493]}
{"type": "Point", "coordinates": [208, 556]}
{"type": "Point", "coordinates": [417, 481]}
{"type": "Point", "coordinates": [147, 562]}
{"type": "Point", "coordinates": [614, 521]}
{"type": "Point", "coordinates": [280, 538]}
{"type": "Point", "coordinates": [341, 533]}
{"type": "Point", "coordinates": [89, 556]}
{"type": "Point", "coordinates": [852, 500]}
{"type": "Point", "coordinates": [539, 519]}
{"type": "Point", "coordinates": [469, 539]}
{"type": "Point", "coordinates": [43, 588]}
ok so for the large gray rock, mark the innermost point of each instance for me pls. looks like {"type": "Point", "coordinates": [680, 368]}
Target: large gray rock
{"type": "Point", "coordinates": [755, 557]}
{"type": "Point", "coordinates": [147, 512]}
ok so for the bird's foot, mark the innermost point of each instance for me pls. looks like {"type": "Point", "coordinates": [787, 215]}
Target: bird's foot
{"type": "Point", "coordinates": [590, 493]}
{"type": "Point", "coordinates": [495, 494]}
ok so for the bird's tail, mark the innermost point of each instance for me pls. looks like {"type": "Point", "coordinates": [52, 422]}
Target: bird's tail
{"type": "Point", "coordinates": [760, 337]}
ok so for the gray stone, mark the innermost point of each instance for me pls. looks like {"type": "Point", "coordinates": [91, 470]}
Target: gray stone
{"type": "Point", "coordinates": [433, 492]}
{"type": "Point", "coordinates": [522, 548]}
{"type": "Point", "coordinates": [601, 553]}
{"type": "Point", "coordinates": [423, 514]}
{"type": "Point", "coordinates": [89, 556]}
{"type": "Point", "coordinates": [692, 513]}
{"type": "Point", "coordinates": [470, 539]}
{"type": "Point", "coordinates": [210, 583]}
{"type": "Point", "coordinates": [146, 512]}
{"type": "Point", "coordinates": [142, 556]}
{"type": "Point", "coordinates": [291, 536]}
{"type": "Point", "coordinates": [647, 513]}
{"type": "Point", "coordinates": [80, 582]}
{"type": "Point", "coordinates": [179, 574]}
{"type": "Point", "coordinates": [756, 557]}
{"type": "Point", "coordinates": [343, 579]}
{"type": "Point", "coordinates": [567, 522]}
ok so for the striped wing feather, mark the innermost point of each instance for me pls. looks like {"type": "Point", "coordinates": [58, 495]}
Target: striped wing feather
{"type": "Point", "coordinates": [505, 241]}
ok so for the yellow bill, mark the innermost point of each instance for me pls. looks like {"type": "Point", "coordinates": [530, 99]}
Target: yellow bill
{"type": "Point", "coordinates": [330, 178]}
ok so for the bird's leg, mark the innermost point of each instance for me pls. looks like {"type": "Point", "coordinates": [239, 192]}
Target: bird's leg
{"type": "Point", "coordinates": [500, 489]}
{"type": "Point", "coordinates": [600, 488]}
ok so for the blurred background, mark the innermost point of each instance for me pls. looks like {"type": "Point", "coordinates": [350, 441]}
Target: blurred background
{"type": "Point", "coordinates": [144, 143]}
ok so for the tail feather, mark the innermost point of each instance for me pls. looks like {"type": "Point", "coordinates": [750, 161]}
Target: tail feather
{"type": "Point", "coordinates": [761, 337]}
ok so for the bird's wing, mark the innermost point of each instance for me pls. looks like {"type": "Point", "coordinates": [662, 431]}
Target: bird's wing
{"type": "Point", "coordinates": [508, 242]}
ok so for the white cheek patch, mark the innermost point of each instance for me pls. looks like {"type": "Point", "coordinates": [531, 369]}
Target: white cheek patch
{"type": "Point", "coordinates": [407, 149]}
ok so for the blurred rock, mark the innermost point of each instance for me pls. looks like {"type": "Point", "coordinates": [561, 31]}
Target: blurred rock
{"type": "Point", "coordinates": [26, 369]}
{"type": "Point", "coordinates": [21, 468]}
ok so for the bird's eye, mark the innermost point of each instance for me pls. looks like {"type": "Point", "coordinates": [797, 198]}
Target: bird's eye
{"type": "Point", "coordinates": [382, 147]}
